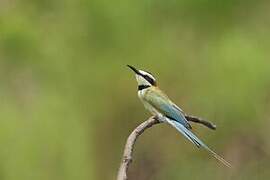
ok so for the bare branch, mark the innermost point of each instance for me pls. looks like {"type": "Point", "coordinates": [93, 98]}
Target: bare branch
{"type": "Point", "coordinates": [127, 156]}
{"type": "Point", "coordinates": [201, 121]}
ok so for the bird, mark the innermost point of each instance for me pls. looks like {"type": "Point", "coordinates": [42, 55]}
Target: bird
{"type": "Point", "coordinates": [159, 104]}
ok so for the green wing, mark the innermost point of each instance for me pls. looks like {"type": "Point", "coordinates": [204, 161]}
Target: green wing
{"type": "Point", "coordinates": [165, 106]}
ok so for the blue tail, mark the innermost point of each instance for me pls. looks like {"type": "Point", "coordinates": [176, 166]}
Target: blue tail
{"type": "Point", "coordinates": [195, 140]}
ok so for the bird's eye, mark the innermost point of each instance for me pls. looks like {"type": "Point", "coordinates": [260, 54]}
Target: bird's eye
{"type": "Point", "coordinates": [150, 80]}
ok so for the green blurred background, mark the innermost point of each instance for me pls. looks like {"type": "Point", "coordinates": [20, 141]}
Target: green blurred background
{"type": "Point", "coordinates": [68, 102]}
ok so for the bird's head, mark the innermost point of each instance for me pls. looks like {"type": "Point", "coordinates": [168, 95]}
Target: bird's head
{"type": "Point", "coordinates": [144, 79]}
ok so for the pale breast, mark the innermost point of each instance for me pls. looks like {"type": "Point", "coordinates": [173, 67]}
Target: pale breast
{"type": "Point", "coordinates": [148, 106]}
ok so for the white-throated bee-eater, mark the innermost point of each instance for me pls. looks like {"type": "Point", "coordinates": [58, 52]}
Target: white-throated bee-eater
{"type": "Point", "coordinates": [161, 106]}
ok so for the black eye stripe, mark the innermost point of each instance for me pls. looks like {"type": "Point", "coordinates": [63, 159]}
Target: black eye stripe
{"type": "Point", "coordinates": [150, 80]}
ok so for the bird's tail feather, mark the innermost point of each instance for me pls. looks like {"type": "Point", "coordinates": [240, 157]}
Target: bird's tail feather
{"type": "Point", "coordinates": [195, 140]}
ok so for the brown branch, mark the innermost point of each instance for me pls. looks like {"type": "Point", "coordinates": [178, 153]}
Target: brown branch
{"type": "Point", "coordinates": [127, 156]}
{"type": "Point", "coordinates": [201, 121]}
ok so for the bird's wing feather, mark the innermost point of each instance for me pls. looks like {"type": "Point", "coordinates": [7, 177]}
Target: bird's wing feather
{"type": "Point", "coordinates": [162, 103]}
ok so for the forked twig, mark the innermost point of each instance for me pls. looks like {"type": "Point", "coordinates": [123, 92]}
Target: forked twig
{"type": "Point", "coordinates": [127, 156]}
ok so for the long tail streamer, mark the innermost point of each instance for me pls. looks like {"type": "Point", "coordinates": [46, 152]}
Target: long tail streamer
{"type": "Point", "coordinates": [195, 140]}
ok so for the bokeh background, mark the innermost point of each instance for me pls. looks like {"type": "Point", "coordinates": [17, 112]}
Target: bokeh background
{"type": "Point", "coordinates": [68, 102]}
